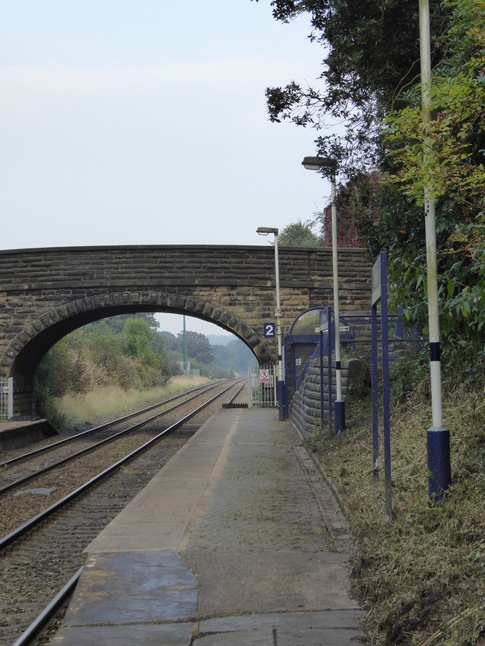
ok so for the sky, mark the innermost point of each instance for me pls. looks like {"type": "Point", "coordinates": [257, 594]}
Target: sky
{"type": "Point", "coordinates": [144, 122]}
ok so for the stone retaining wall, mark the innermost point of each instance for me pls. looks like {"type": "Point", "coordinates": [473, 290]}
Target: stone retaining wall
{"type": "Point", "coordinates": [305, 409]}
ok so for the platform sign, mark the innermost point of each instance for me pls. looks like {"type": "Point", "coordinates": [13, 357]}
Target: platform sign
{"type": "Point", "coordinates": [269, 330]}
{"type": "Point", "coordinates": [379, 293]}
{"type": "Point", "coordinates": [323, 321]}
{"type": "Point", "coordinates": [376, 289]}
{"type": "Point", "coordinates": [266, 378]}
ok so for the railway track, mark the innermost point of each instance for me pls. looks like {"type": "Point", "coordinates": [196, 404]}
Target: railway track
{"type": "Point", "coordinates": [39, 555]}
{"type": "Point", "coordinates": [78, 436]}
{"type": "Point", "coordinates": [32, 465]}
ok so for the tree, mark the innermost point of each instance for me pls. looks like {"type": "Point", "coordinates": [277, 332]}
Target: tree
{"type": "Point", "coordinates": [117, 322]}
{"type": "Point", "coordinates": [454, 173]}
{"type": "Point", "coordinates": [371, 55]}
{"type": "Point", "coordinates": [235, 356]}
{"type": "Point", "coordinates": [371, 81]}
{"type": "Point", "coordinates": [63, 370]}
{"type": "Point", "coordinates": [299, 234]}
{"type": "Point", "coordinates": [456, 167]}
{"type": "Point", "coordinates": [357, 209]}
{"type": "Point", "coordinates": [103, 353]}
{"type": "Point", "coordinates": [198, 346]}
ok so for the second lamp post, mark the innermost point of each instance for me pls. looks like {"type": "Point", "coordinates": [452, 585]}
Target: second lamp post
{"type": "Point", "coordinates": [328, 166]}
{"type": "Point", "coordinates": [264, 231]}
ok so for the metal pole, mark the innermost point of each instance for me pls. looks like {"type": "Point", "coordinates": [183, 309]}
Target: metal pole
{"type": "Point", "coordinates": [385, 383]}
{"type": "Point", "coordinates": [438, 437]}
{"type": "Point", "coordinates": [338, 404]}
{"type": "Point", "coordinates": [375, 394]}
{"type": "Point", "coordinates": [185, 350]}
{"type": "Point", "coordinates": [281, 406]}
{"type": "Point", "coordinates": [329, 166]}
{"type": "Point", "coordinates": [322, 383]}
{"type": "Point", "coordinates": [329, 370]}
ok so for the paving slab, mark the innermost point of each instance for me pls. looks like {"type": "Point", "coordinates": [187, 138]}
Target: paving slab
{"type": "Point", "coordinates": [119, 635]}
{"type": "Point", "coordinates": [335, 628]}
{"type": "Point", "coordinates": [237, 540]}
{"type": "Point", "coordinates": [133, 587]}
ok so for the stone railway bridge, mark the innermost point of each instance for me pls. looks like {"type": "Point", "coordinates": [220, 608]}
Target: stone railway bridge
{"type": "Point", "coordinates": [47, 293]}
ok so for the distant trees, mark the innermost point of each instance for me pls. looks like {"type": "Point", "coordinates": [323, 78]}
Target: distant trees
{"type": "Point", "coordinates": [128, 352]}
{"type": "Point", "coordinates": [234, 356]}
{"type": "Point", "coordinates": [299, 234]}
{"type": "Point", "coordinates": [124, 351]}
{"type": "Point", "coordinates": [198, 346]}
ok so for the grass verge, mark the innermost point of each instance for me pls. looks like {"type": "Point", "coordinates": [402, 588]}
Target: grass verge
{"type": "Point", "coordinates": [421, 574]}
{"type": "Point", "coordinates": [71, 410]}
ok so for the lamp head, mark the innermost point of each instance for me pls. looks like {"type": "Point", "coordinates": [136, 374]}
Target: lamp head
{"type": "Point", "coordinates": [327, 165]}
{"type": "Point", "coordinates": [264, 231]}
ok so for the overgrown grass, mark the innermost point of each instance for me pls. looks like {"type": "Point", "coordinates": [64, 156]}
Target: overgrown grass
{"type": "Point", "coordinates": [70, 410]}
{"type": "Point", "coordinates": [421, 574]}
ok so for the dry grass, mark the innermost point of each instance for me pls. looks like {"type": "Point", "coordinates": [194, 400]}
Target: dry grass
{"type": "Point", "coordinates": [111, 400]}
{"type": "Point", "coordinates": [421, 574]}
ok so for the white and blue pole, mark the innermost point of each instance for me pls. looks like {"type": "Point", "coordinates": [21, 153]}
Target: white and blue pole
{"type": "Point", "coordinates": [438, 437]}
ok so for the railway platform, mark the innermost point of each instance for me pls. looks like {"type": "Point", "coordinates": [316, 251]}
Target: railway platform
{"type": "Point", "coordinates": [236, 541]}
{"type": "Point", "coordinates": [15, 434]}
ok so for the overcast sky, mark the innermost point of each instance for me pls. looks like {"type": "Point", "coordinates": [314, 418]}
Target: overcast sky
{"type": "Point", "coordinates": [145, 122]}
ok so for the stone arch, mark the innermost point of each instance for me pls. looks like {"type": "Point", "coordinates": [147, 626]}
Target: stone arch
{"type": "Point", "coordinates": [28, 347]}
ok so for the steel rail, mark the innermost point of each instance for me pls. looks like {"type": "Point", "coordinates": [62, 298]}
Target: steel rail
{"type": "Point", "coordinates": [89, 431]}
{"type": "Point", "coordinates": [237, 392]}
{"type": "Point", "coordinates": [35, 520]}
{"type": "Point", "coordinates": [93, 447]}
{"type": "Point", "coordinates": [36, 626]}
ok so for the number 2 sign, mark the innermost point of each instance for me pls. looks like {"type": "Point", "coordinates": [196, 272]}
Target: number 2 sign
{"type": "Point", "coordinates": [269, 330]}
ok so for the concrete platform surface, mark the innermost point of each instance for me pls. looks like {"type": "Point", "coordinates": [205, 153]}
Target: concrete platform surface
{"type": "Point", "coordinates": [237, 540]}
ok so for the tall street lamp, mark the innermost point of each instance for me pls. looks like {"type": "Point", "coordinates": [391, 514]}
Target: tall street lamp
{"type": "Point", "coordinates": [264, 231]}
{"type": "Point", "coordinates": [329, 166]}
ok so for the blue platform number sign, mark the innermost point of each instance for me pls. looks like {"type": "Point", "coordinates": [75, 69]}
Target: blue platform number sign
{"type": "Point", "coordinates": [269, 330]}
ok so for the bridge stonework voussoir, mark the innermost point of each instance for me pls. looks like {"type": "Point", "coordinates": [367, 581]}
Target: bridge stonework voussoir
{"type": "Point", "coordinates": [47, 293]}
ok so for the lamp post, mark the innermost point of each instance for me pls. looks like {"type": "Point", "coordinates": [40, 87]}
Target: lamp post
{"type": "Point", "coordinates": [438, 437]}
{"type": "Point", "coordinates": [264, 231]}
{"type": "Point", "coordinates": [329, 166]}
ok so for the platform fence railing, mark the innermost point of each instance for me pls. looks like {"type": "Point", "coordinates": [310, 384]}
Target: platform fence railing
{"type": "Point", "coordinates": [6, 399]}
{"type": "Point", "coordinates": [262, 387]}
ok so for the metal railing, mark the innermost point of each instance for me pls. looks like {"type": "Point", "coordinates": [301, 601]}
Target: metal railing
{"type": "Point", "coordinates": [262, 387]}
{"type": "Point", "coordinates": [6, 398]}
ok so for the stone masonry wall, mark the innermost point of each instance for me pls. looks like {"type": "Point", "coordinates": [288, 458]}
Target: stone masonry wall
{"type": "Point", "coordinates": [46, 293]}
{"type": "Point", "coordinates": [305, 406]}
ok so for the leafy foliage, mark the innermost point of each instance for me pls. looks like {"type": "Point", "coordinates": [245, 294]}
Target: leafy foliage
{"type": "Point", "coordinates": [299, 234]}
{"type": "Point", "coordinates": [357, 209]}
{"type": "Point", "coordinates": [454, 169]}
{"type": "Point", "coordinates": [235, 356]}
{"type": "Point", "coordinates": [198, 346]}
{"type": "Point", "coordinates": [454, 174]}
{"type": "Point", "coordinates": [100, 354]}
{"type": "Point", "coordinates": [371, 54]}
{"type": "Point", "coordinates": [371, 82]}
